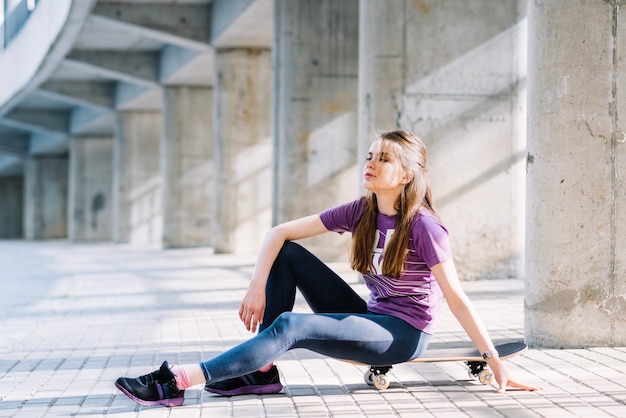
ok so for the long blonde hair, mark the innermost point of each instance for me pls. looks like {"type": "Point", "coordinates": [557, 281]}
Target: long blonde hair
{"type": "Point", "coordinates": [416, 194]}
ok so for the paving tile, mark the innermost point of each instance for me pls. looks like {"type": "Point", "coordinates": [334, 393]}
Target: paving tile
{"type": "Point", "coordinates": [74, 317]}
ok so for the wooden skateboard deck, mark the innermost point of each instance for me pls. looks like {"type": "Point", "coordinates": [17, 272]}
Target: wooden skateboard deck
{"type": "Point", "coordinates": [505, 351]}
{"type": "Point", "coordinates": [477, 367]}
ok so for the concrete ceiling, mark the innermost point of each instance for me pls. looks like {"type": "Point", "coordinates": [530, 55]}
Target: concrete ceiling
{"type": "Point", "coordinates": [123, 55]}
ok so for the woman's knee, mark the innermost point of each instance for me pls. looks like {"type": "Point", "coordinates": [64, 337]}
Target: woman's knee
{"type": "Point", "coordinates": [291, 256]}
{"type": "Point", "coordinates": [284, 321]}
{"type": "Point", "coordinates": [289, 249]}
{"type": "Point", "coordinates": [288, 323]}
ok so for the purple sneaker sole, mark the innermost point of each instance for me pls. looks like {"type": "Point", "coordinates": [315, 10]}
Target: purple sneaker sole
{"type": "Point", "coordinates": [165, 402]}
{"type": "Point", "coordinates": [248, 390]}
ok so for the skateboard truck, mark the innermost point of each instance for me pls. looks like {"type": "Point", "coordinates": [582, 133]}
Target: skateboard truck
{"type": "Point", "coordinates": [377, 376]}
{"type": "Point", "coordinates": [479, 370]}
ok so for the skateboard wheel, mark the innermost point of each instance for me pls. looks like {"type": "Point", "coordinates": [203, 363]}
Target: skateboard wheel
{"type": "Point", "coordinates": [369, 377]}
{"type": "Point", "coordinates": [381, 382]}
{"type": "Point", "coordinates": [485, 377]}
{"type": "Point", "coordinates": [471, 374]}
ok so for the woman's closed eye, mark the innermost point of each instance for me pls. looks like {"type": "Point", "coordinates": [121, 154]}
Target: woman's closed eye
{"type": "Point", "coordinates": [384, 157]}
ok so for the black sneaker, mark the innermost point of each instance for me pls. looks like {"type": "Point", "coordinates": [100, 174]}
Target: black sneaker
{"type": "Point", "coordinates": [258, 383]}
{"type": "Point", "coordinates": [156, 388]}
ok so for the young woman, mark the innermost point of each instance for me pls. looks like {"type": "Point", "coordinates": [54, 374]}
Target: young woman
{"type": "Point", "coordinates": [403, 252]}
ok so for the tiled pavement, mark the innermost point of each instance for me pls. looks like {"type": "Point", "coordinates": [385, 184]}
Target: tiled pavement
{"type": "Point", "coordinates": [74, 317]}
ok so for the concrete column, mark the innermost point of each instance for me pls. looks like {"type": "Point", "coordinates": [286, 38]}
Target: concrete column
{"type": "Point", "coordinates": [241, 212]}
{"type": "Point", "coordinates": [11, 207]}
{"type": "Point", "coordinates": [576, 165]}
{"type": "Point", "coordinates": [452, 72]}
{"type": "Point", "coordinates": [382, 60]}
{"type": "Point", "coordinates": [315, 124]}
{"type": "Point", "coordinates": [45, 197]}
{"type": "Point", "coordinates": [90, 189]}
{"type": "Point", "coordinates": [186, 166]}
{"type": "Point", "coordinates": [137, 211]}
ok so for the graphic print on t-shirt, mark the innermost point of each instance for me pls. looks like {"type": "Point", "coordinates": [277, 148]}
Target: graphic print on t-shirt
{"type": "Point", "coordinates": [382, 240]}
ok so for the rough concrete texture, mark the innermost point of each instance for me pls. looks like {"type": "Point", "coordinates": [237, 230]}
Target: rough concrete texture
{"type": "Point", "coordinates": [315, 121]}
{"type": "Point", "coordinates": [187, 166]}
{"type": "Point", "coordinates": [137, 185]}
{"type": "Point", "coordinates": [11, 215]}
{"type": "Point", "coordinates": [458, 86]}
{"type": "Point", "coordinates": [241, 211]}
{"type": "Point", "coordinates": [45, 197]}
{"type": "Point", "coordinates": [575, 271]}
{"type": "Point", "coordinates": [90, 189]}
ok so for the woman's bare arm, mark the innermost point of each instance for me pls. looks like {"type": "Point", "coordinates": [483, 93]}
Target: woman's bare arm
{"type": "Point", "coordinates": [253, 304]}
{"type": "Point", "coordinates": [464, 312]}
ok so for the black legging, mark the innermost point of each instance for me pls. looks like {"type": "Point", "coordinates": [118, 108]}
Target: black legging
{"type": "Point", "coordinates": [340, 327]}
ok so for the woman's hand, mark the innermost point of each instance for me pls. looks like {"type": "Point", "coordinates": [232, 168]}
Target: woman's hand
{"type": "Point", "coordinates": [253, 306]}
{"type": "Point", "coordinates": [464, 312]}
{"type": "Point", "coordinates": [504, 379]}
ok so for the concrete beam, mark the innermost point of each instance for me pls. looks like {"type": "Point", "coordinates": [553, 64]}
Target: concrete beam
{"type": "Point", "coordinates": [14, 144]}
{"type": "Point", "coordinates": [11, 166]}
{"type": "Point", "coordinates": [92, 121]}
{"type": "Point", "coordinates": [242, 23]}
{"type": "Point", "coordinates": [185, 67]}
{"type": "Point", "coordinates": [14, 151]}
{"type": "Point", "coordinates": [43, 120]}
{"type": "Point", "coordinates": [81, 93]}
{"type": "Point", "coordinates": [97, 100]}
{"type": "Point", "coordinates": [44, 143]}
{"type": "Point", "coordinates": [184, 25]}
{"type": "Point", "coordinates": [134, 97]}
{"type": "Point", "coordinates": [131, 67]}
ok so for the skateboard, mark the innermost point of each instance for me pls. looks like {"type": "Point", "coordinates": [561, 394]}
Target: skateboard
{"type": "Point", "coordinates": [477, 367]}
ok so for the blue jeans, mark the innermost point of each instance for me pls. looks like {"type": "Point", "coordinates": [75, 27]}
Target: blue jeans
{"type": "Point", "coordinates": [340, 327]}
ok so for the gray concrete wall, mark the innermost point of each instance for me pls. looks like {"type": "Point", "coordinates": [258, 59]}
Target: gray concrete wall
{"type": "Point", "coordinates": [242, 183]}
{"type": "Point", "coordinates": [453, 73]}
{"type": "Point", "coordinates": [137, 207]}
{"type": "Point", "coordinates": [45, 197]}
{"type": "Point", "coordinates": [187, 166]}
{"type": "Point", "coordinates": [576, 229]}
{"type": "Point", "coordinates": [11, 207]}
{"type": "Point", "coordinates": [90, 189]}
{"type": "Point", "coordinates": [315, 120]}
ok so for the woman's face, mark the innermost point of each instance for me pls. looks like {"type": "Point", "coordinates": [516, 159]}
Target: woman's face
{"type": "Point", "coordinates": [383, 172]}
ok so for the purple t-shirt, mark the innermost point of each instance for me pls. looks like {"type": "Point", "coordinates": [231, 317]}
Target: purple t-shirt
{"type": "Point", "coordinates": [415, 296]}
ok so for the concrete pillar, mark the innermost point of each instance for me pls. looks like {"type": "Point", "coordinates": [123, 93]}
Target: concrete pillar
{"type": "Point", "coordinates": [90, 189]}
{"type": "Point", "coordinates": [241, 212]}
{"type": "Point", "coordinates": [186, 166]}
{"type": "Point", "coordinates": [45, 197]}
{"type": "Point", "coordinates": [315, 124]}
{"type": "Point", "coordinates": [576, 165]}
{"type": "Point", "coordinates": [382, 60]}
{"type": "Point", "coordinates": [137, 211]}
{"type": "Point", "coordinates": [452, 72]}
{"type": "Point", "coordinates": [11, 207]}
